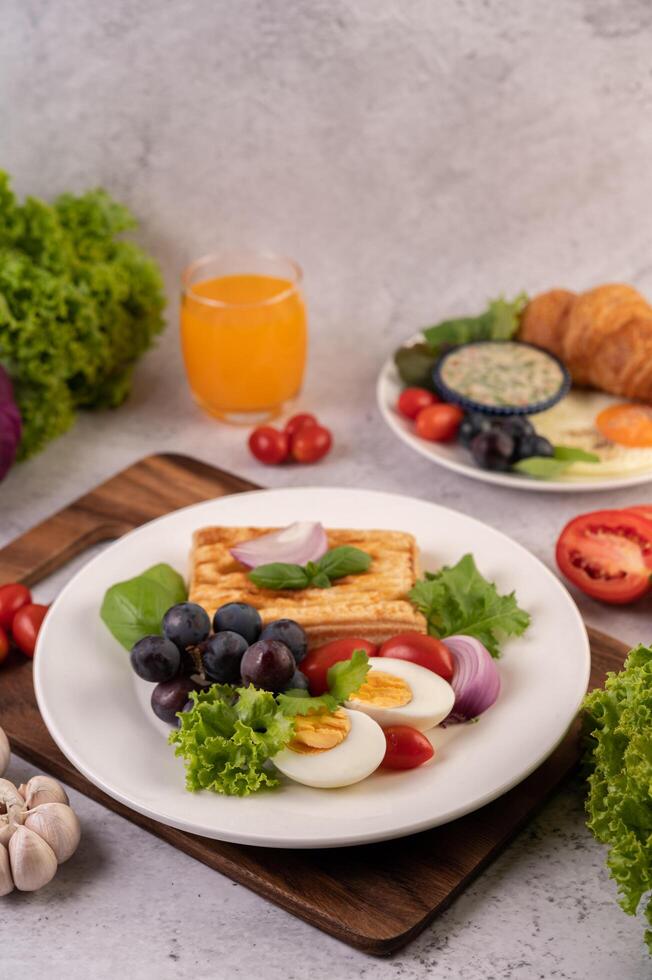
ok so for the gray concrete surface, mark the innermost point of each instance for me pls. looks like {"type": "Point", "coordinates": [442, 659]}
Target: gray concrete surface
{"type": "Point", "coordinates": [416, 158]}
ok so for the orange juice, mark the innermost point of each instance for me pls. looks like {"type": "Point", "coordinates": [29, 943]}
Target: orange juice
{"type": "Point", "coordinates": [244, 339]}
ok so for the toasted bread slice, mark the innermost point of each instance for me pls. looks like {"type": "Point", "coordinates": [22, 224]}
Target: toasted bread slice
{"type": "Point", "coordinates": [372, 605]}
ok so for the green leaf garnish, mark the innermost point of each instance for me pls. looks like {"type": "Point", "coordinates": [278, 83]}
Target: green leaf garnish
{"type": "Point", "coordinates": [347, 676]}
{"type": "Point", "coordinates": [541, 467]}
{"type": "Point", "coordinates": [135, 608]}
{"type": "Point", "coordinates": [500, 321]}
{"type": "Point", "coordinates": [459, 599]}
{"type": "Point", "coordinates": [280, 575]}
{"type": "Point", "coordinates": [617, 724]}
{"type": "Point", "coordinates": [572, 454]}
{"type": "Point", "coordinates": [548, 467]}
{"type": "Point", "coordinates": [226, 745]}
{"type": "Point", "coordinates": [335, 564]}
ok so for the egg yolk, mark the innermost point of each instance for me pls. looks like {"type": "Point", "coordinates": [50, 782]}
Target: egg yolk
{"type": "Point", "coordinates": [319, 732]}
{"type": "Point", "coordinates": [383, 690]}
{"type": "Point", "coordinates": [626, 424]}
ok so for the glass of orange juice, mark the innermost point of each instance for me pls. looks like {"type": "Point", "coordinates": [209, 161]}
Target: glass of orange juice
{"type": "Point", "coordinates": [243, 333]}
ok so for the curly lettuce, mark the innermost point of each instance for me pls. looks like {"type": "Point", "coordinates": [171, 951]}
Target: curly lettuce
{"type": "Point", "coordinates": [618, 730]}
{"type": "Point", "coordinates": [78, 306]}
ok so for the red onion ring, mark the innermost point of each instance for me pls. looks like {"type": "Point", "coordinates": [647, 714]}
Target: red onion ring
{"type": "Point", "coordinates": [296, 544]}
{"type": "Point", "coordinates": [475, 680]}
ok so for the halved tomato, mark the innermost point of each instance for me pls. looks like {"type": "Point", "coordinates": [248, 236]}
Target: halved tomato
{"type": "Point", "coordinates": [645, 510]}
{"type": "Point", "coordinates": [607, 554]}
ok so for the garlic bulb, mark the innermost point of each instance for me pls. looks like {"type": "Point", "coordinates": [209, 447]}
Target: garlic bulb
{"type": "Point", "coordinates": [35, 837]}
{"type": "Point", "coordinates": [6, 881]}
{"type": "Point", "coordinates": [33, 862]}
{"type": "Point", "coordinates": [42, 789]}
{"type": "Point", "coordinates": [5, 752]}
{"type": "Point", "coordinates": [58, 826]}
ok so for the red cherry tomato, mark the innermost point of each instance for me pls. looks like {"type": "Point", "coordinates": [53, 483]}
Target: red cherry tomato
{"type": "Point", "coordinates": [269, 445]}
{"type": "Point", "coordinates": [439, 423]}
{"type": "Point", "coordinates": [12, 597]}
{"type": "Point", "coordinates": [427, 651]}
{"type": "Point", "coordinates": [318, 662]}
{"type": "Point", "coordinates": [297, 422]}
{"type": "Point", "coordinates": [311, 443]}
{"type": "Point", "coordinates": [406, 748]}
{"type": "Point", "coordinates": [26, 625]}
{"type": "Point", "coordinates": [412, 400]}
{"type": "Point", "coordinates": [4, 645]}
{"type": "Point", "coordinates": [607, 554]}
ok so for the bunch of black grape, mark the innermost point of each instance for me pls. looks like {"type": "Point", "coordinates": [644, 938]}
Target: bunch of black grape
{"type": "Point", "coordinates": [238, 651]}
{"type": "Point", "coordinates": [497, 443]}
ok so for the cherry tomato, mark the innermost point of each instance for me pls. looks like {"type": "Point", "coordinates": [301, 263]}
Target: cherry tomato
{"type": "Point", "coordinates": [439, 423]}
{"type": "Point", "coordinates": [4, 645]}
{"type": "Point", "coordinates": [427, 651]}
{"type": "Point", "coordinates": [12, 597]}
{"type": "Point", "coordinates": [26, 625]}
{"type": "Point", "coordinates": [412, 400]}
{"type": "Point", "coordinates": [607, 554]}
{"type": "Point", "coordinates": [318, 662]}
{"type": "Point", "coordinates": [297, 422]}
{"type": "Point", "coordinates": [269, 445]}
{"type": "Point", "coordinates": [406, 748]}
{"type": "Point", "coordinates": [311, 443]}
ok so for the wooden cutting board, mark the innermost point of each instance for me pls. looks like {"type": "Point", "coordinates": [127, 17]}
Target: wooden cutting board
{"type": "Point", "coordinates": [375, 897]}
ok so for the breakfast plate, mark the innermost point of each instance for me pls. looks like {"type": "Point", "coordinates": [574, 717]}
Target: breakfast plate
{"type": "Point", "coordinates": [98, 712]}
{"type": "Point", "coordinates": [632, 469]}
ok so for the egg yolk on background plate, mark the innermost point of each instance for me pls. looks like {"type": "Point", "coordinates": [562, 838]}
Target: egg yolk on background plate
{"type": "Point", "coordinates": [626, 424]}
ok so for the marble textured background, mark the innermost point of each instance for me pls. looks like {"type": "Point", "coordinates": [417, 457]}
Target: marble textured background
{"type": "Point", "coordinates": [416, 158]}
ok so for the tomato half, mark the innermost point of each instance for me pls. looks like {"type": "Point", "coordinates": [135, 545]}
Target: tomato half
{"type": "Point", "coordinates": [318, 662]}
{"type": "Point", "coordinates": [12, 597]}
{"type": "Point", "coordinates": [607, 554]}
{"type": "Point", "coordinates": [26, 625]}
{"type": "Point", "coordinates": [406, 748]}
{"type": "Point", "coordinates": [427, 651]}
{"type": "Point", "coordinates": [645, 510]}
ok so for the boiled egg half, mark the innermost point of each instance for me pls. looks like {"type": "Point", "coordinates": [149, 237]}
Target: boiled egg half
{"type": "Point", "coordinates": [330, 750]}
{"type": "Point", "coordinates": [397, 692]}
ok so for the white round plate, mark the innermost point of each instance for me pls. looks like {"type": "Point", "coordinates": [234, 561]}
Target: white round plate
{"type": "Point", "coordinates": [454, 457]}
{"type": "Point", "coordinates": [97, 710]}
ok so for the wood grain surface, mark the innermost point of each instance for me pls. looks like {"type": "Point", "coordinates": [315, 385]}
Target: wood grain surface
{"type": "Point", "coordinates": [375, 897]}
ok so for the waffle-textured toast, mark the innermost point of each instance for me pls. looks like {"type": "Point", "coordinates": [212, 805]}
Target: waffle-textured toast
{"type": "Point", "coordinates": [372, 605]}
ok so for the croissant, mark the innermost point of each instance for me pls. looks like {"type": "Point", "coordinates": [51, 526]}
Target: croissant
{"type": "Point", "coordinates": [603, 336]}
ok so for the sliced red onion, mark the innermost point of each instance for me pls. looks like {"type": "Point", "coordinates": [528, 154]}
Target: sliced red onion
{"type": "Point", "coordinates": [296, 544]}
{"type": "Point", "coordinates": [475, 680]}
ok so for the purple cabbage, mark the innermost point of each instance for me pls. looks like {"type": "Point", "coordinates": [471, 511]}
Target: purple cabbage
{"type": "Point", "coordinates": [10, 424]}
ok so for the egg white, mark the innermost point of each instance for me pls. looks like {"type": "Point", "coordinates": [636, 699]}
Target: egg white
{"type": "Point", "coordinates": [354, 759]}
{"type": "Point", "coordinates": [572, 423]}
{"type": "Point", "coordinates": [432, 696]}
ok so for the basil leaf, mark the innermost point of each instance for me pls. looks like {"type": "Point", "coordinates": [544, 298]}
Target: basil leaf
{"type": "Point", "coordinates": [571, 454]}
{"type": "Point", "coordinates": [541, 467]}
{"type": "Point", "coordinates": [320, 581]}
{"type": "Point", "coordinates": [135, 608]}
{"type": "Point", "coordinates": [280, 575]}
{"type": "Point", "coordinates": [345, 560]}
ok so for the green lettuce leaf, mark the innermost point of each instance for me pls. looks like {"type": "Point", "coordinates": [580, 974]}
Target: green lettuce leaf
{"type": "Point", "coordinates": [459, 599]}
{"type": "Point", "coordinates": [617, 723]}
{"type": "Point", "coordinates": [225, 745]}
{"type": "Point", "coordinates": [500, 321]}
{"type": "Point", "coordinates": [135, 608]}
{"type": "Point", "coordinates": [78, 306]}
